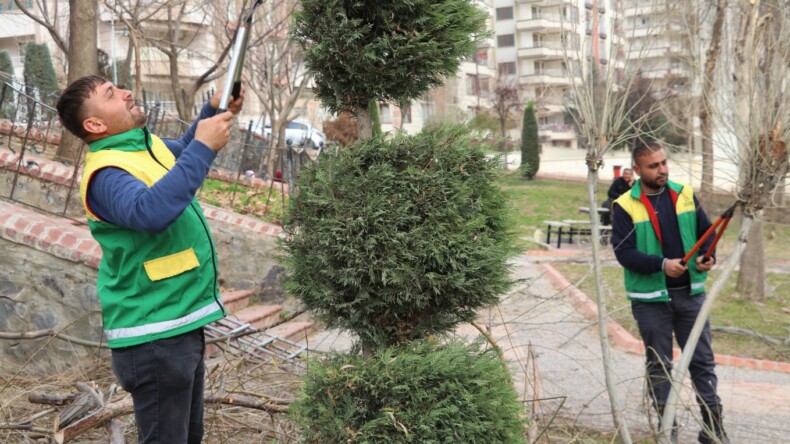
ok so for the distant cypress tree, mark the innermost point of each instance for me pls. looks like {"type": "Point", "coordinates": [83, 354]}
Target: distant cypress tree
{"type": "Point", "coordinates": [39, 71]}
{"type": "Point", "coordinates": [6, 73]}
{"type": "Point", "coordinates": [6, 66]}
{"type": "Point", "coordinates": [530, 144]}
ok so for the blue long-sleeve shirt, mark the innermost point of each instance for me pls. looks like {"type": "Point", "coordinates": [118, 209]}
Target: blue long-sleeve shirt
{"type": "Point", "coordinates": [120, 198]}
{"type": "Point", "coordinates": [624, 242]}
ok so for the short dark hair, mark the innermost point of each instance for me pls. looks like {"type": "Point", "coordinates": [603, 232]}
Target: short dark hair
{"type": "Point", "coordinates": [644, 148]}
{"type": "Point", "coordinates": [71, 101]}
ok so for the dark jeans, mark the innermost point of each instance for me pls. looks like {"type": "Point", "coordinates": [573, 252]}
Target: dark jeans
{"type": "Point", "coordinates": [657, 321]}
{"type": "Point", "coordinates": [165, 378]}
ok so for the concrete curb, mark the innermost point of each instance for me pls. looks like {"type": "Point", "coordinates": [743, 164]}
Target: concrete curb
{"type": "Point", "coordinates": [623, 340]}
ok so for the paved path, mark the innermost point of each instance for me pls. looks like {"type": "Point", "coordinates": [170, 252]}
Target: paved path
{"type": "Point", "coordinates": [757, 403]}
{"type": "Point", "coordinates": [568, 350]}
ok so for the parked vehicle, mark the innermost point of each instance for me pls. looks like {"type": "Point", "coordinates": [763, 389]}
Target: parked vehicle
{"type": "Point", "coordinates": [300, 133]}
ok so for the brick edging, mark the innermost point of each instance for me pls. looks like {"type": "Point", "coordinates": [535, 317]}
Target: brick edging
{"type": "Point", "coordinates": [54, 235]}
{"type": "Point", "coordinates": [623, 340]}
{"type": "Point", "coordinates": [65, 239]}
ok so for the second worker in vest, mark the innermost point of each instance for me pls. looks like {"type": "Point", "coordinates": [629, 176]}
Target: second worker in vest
{"type": "Point", "coordinates": [653, 226]}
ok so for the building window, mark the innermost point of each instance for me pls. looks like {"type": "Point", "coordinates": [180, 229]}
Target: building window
{"type": "Point", "coordinates": [385, 113]}
{"type": "Point", "coordinates": [506, 40]}
{"type": "Point", "coordinates": [504, 13]}
{"type": "Point", "coordinates": [471, 85]}
{"type": "Point", "coordinates": [481, 56]}
{"type": "Point", "coordinates": [507, 68]}
{"type": "Point", "coordinates": [405, 114]}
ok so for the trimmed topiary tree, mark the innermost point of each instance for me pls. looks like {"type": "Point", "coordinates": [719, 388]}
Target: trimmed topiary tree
{"type": "Point", "coordinates": [389, 51]}
{"type": "Point", "coordinates": [399, 239]}
{"type": "Point", "coordinates": [530, 143]}
{"type": "Point", "coordinates": [420, 393]}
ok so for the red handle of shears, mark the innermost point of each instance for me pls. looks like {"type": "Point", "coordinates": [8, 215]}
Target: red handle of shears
{"type": "Point", "coordinates": [724, 218]}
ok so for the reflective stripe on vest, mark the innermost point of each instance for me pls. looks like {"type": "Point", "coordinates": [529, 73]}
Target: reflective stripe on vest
{"type": "Point", "coordinates": [651, 295]}
{"type": "Point", "coordinates": [160, 327]}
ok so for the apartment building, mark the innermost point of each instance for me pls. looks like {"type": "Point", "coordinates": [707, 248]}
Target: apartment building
{"type": "Point", "coordinates": [459, 99]}
{"type": "Point", "coordinates": [543, 44]}
{"type": "Point", "coordinates": [656, 34]}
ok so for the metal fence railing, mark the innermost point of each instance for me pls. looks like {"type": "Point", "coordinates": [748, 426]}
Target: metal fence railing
{"type": "Point", "coordinates": [34, 171]}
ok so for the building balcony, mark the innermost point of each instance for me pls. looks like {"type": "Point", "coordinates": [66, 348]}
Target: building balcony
{"type": "Point", "coordinates": [547, 51]}
{"type": "Point", "coordinates": [544, 22]}
{"type": "Point", "coordinates": [547, 3]}
{"type": "Point", "coordinates": [644, 8]}
{"type": "Point", "coordinates": [547, 110]}
{"type": "Point", "coordinates": [655, 52]}
{"type": "Point", "coordinates": [557, 131]}
{"type": "Point", "coordinates": [550, 77]}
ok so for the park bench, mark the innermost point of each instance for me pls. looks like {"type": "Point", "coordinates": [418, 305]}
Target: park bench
{"type": "Point", "coordinates": [581, 228]}
{"type": "Point", "coordinates": [557, 227]}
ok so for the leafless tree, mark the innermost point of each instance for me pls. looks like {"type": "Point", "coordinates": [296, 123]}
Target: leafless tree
{"type": "Point", "coordinates": [180, 30]}
{"type": "Point", "coordinates": [602, 104]}
{"type": "Point", "coordinates": [276, 72]}
{"type": "Point", "coordinates": [79, 45]}
{"type": "Point", "coordinates": [756, 114]}
{"type": "Point", "coordinates": [506, 99]}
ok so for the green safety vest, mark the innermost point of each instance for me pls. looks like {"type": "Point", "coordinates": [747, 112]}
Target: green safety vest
{"type": "Point", "coordinates": [653, 287]}
{"type": "Point", "coordinates": [150, 285]}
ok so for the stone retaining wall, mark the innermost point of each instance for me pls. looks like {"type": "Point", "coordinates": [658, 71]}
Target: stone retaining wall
{"type": "Point", "coordinates": [48, 275]}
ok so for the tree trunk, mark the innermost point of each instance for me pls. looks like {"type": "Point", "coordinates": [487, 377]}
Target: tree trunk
{"type": "Point", "coordinates": [681, 368]}
{"type": "Point", "coordinates": [751, 278]}
{"type": "Point", "coordinates": [83, 60]}
{"type": "Point", "coordinates": [603, 332]}
{"type": "Point", "coordinates": [364, 124]}
{"type": "Point", "coordinates": [708, 91]}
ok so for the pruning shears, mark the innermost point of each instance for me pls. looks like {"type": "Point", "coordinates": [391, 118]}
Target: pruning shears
{"type": "Point", "coordinates": [723, 220]}
{"type": "Point", "coordinates": [233, 79]}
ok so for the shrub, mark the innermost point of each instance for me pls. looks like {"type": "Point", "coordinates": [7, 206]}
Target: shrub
{"type": "Point", "coordinates": [421, 393]}
{"type": "Point", "coordinates": [399, 239]}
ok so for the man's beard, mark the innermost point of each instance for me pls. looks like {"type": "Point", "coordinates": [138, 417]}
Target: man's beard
{"type": "Point", "coordinates": [140, 119]}
{"type": "Point", "coordinates": [654, 183]}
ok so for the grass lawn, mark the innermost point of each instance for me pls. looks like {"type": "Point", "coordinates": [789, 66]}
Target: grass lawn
{"type": "Point", "coordinates": [534, 201]}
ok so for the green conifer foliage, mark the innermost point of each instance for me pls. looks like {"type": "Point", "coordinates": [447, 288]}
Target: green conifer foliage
{"type": "Point", "coordinates": [420, 393]}
{"type": "Point", "coordinates": [399, 239]}
{"type": "Point", "coordinates": [6, 66]}
{"type": "Point", "coordinates": [391, 51]}
{"type": "Point", "coordinates": [7, 108]}
{"type": "Point", "coordinates": [39, 71]}
{"type": "Point", "coordinates": [530, 144]}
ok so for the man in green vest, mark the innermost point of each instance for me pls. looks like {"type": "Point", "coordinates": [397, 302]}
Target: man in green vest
{"type": "Point", "coordinates": [653, 226]}
{"type": "Point", "coordinates": [157, 280]}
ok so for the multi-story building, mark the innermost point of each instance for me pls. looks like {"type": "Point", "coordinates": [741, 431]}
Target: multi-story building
{"type": "Point", "coordinates": [459, 99]}
{"type": "Point", "coordinates": [657, 41]}
{"type": "Point", "coordinates": [543, 44]}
